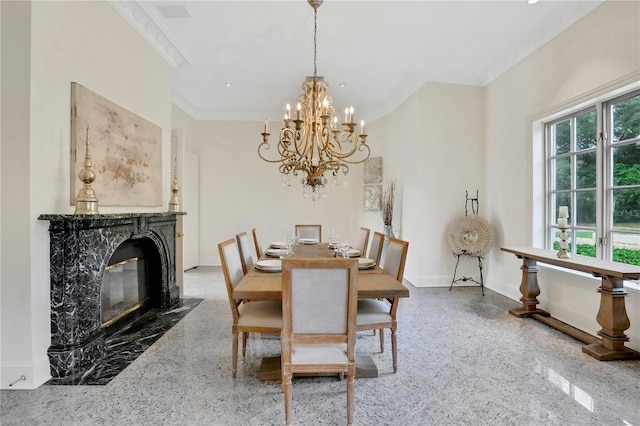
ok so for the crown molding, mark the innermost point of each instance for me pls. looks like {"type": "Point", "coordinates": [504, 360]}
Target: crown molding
{"type": "Point", "coordinates": [152, 31]}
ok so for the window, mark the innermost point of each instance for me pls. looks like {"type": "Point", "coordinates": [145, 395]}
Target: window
{"type": "Point", "coordinates": [593, 163]}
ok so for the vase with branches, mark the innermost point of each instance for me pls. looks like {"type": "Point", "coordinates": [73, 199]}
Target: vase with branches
{"type": "Point", "coordinates": [388, 199]}
{"type": "Point", "coordinates": [388, 196]}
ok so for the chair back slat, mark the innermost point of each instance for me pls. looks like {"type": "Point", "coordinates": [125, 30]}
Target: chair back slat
{"type": "Point", "coordinates": [395, 258]}
{"type": "Point", "coordinates": [309, 231]}
{"type": "Point", "coordinates": [245, 252]}
{"type": "Point", "coordinates": [232, 269]}
{"type": "Point", "coordinates": [256, 243]}
{"type": "Point", "coordinates": [319, 300]}
{"type": "Point", "coordinates": [363, 240]}
{"type": "Point", "coordinates": [375, 251]}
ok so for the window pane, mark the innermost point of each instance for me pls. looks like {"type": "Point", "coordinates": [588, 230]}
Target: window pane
{"type": "Point", "coordinates": [626, 248]}
{"type": "Point", "coordinates": [586, 211]}
{"type": "Point", "coordinates": [586, 131]}
{"type": "Point", "coordinates": [586, 170]}
{"type": "Point", "coordinates": [562, 132]}
{"type": "Point", "coordinates": [626, 164]}
{"type": "Point", "coordinates": [586, 242]}
{"type": "Point", "coordinates": [626, 119]}
{"type": "Point", "coordinates": [562, 169]}
{"type": "Point", "coordinates": [626, 208]}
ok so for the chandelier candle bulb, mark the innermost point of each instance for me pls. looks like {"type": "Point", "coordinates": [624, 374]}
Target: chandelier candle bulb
{"type": "Point", "coordinates": [346, 115]}
{"type": "Point", "coordinates": [266, 125]}
{"type": "Point", "coordinates": [362, 127]}
{"type": "Point", "coordinates": [298, 108]}
{"type": "Point", "coordinates": [563, 211]}
{"type": "Point", "coordinates": [351, 115]}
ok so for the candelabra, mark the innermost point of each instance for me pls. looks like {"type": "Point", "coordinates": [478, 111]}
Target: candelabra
{"type": "Point", "coordinates": [563, 221]}
{"type": "Point", "coordinates": [564, 244]}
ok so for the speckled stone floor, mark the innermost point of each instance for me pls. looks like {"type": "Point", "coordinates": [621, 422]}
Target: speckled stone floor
{"type": "Point", "coordinates": [463, 360]}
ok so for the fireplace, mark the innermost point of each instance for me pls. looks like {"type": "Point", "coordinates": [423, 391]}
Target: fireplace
{"type": "Point", "coordinates": [105, 270]}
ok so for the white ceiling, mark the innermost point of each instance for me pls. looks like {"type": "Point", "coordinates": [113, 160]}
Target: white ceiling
{"type": "Point", "coordinates": [382, 51]}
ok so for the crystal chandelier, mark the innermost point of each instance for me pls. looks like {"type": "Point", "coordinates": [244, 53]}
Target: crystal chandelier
{"type": "Point", "coordinates": [311, 143]}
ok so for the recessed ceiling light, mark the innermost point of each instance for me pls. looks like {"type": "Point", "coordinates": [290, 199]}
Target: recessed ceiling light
{"type": "Point", "coordinates": [227, 84]}
{"type": "Point", "coordinates": [532, 1]}
{"type": "Point", "coordinates": [342, 85]}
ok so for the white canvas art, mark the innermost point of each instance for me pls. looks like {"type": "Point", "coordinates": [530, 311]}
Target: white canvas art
{"type": "Point", "coordinates": [125, 149]}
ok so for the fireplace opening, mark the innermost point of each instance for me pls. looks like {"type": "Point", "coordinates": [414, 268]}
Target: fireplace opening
{"type": "Point", "coordinates": [127, 290]}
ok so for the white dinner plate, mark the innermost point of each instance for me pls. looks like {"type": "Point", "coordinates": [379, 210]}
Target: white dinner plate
{"type": "Point", "coordinates": [308, 240]}
{"type": "Point", "coordinates": [364, 263]}
{"type": "Point", "coordinates": [354, 252]}
{"type": "Point", "coordinates": [273, 252]}
{"type": "Point", "coordinates": [277, 244]}
{"type": "Point", "coordinates": [269, 265]}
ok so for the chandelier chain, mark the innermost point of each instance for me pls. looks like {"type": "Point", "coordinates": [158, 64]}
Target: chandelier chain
{"type": "Point", "coordinates": [315, 43]}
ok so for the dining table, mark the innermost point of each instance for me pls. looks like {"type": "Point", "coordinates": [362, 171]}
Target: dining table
{"type": "Point", "coordinates": [373, 283]}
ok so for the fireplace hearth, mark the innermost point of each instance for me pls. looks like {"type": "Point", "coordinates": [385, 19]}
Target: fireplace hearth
{"type": "Point", "coordinates": [82, 249]}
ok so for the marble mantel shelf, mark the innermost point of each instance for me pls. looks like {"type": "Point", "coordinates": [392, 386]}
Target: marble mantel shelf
{"type": "Point", "coordinates": [110, 216]}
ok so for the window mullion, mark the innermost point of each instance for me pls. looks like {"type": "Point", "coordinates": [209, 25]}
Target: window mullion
{"type": "Point", "coordinates": [602, 183]}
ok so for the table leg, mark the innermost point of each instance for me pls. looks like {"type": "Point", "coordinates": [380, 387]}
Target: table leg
{"type": "Point", "coordinates": [529, 290]}
{"type": "Point", "coordinates": [612, 317]}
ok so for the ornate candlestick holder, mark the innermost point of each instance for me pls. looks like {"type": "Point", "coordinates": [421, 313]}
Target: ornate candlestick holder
{"type": "Point", "coordinates": [174, 202]}
{"type": "Point", "coordinates": [86, 200]}
{"type": "Point", "coordinates": [564, 244]}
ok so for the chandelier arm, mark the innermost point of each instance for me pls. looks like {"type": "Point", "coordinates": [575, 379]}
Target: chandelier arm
{"type": "Point", "coordinates": [360, 148]}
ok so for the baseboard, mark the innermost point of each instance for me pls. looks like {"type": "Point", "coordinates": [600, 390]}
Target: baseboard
{"type": "Point", "coordinates": [25, 375]}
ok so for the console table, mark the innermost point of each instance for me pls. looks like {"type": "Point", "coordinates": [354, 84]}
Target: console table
{"type": "Point", "coordinates": [612, 315]}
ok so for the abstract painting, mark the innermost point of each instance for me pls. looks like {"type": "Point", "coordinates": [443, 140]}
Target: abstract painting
{"type": "Point", "coordinates": [125, 150]}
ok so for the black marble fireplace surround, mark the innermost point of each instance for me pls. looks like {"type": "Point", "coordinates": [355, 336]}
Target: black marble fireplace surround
{"type": "Point", "coordinates": [81, 247]}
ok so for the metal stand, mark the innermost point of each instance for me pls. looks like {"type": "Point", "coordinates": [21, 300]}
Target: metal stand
{"type": "Point", "coordinates": [474, 210]}
{"type": "Point", "coordinates": [465, 279]}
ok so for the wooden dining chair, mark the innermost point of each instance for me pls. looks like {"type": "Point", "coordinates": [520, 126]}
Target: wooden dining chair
{"type": "Point", "coordinates": [248, 317]}
{"type": "Point", "coordinates": [363, 241]}
{"type": "Point", "coordinates": [375, 250]}
{"type": "Point", "coordinates": [380, 314]}
{"type": "Point", "coordinates": [245, 252]}
{"type": "Point", "coordinates": [259, 251]}
{"type": "Point", "coordinates": [319, 327]}
{"type": "Point", "coordinates": [309, 231]}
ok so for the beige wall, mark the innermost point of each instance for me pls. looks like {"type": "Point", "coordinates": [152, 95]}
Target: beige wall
{"type": "Point", "coordinates": [598, 50]}
{"type": "Point", "coordinates": [86, 42]}
{"type": "Point", "coordinates": [433, 146]}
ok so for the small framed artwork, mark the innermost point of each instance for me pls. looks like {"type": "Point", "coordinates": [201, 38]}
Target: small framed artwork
{"type": "Point", "coordinates": [372, 197]}
{"type": "Point", "coordinates": [373, 170]}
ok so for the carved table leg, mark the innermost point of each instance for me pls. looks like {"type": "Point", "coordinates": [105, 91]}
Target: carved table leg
{"type": "Point", "coordinates": [529, 290]}
{"type": "Point", "coordinates": [612, 317]}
